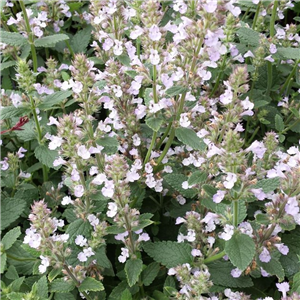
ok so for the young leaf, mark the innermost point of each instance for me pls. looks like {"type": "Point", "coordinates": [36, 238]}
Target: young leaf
{"type": "Point", "coordinates": [168, 253]}
{"type": "Point", "coordinates": [248, 36]}
{"type": "Point", "coordinates": [176, 90]}
{"type": "Point", "coordinates": [176, 180]}
{"type": "Point", "coordinates": [273, 267]}
{"type": "Point", "coordinates": [3, 263]}
{"type": "Point", "coordinates": [197, 177]}
{"type": "Point", "coordinates": [189, 137]}
{"type": "Point", "coordinates": [279, 124]}
{"type": "Point", "coordinates": [268, 185]}
{"type": "Point", "coordinates": [81, 40]}
{"type": "Point", "coordinates": [7, 64]}
{"type": "Point", "coordinates": [154, 123]}
{"type": "Point", "coordinates": [10, 237]}
{"type": "Point", "coordinates": [91, 284]}
{"type": "Point", "coordinates": [289, 53]}
{"type": "Point", "coordinates": [42, 287]}
{"type": "Point", "coordinates": [150, 273]}
{"type": "Point", "coordinates": [61, 286]}
{"type": "Point", "coordinates": [45, 155]}
{"type": "Point", "coordinates": [133, 269]}
{"type": "Point", "coordinates": [78, 227]}
{"type": "Point", "coordinates": [296, 283]}
{"type": "Point", "coordinates": [240, 250]}
{"type": "Point", "coordinates": [126, 295]}
{"type": "Point", "coordinates": [110, 145]}
{"type": "Point", "coordinates": [13, 38]}
{"type": "Point", "coordinates": [51, 40]}
{"type": "Point", "coordinates": [100, 256]}
{"type": "Point", "coordinates": [53, 274]}
{"type": "Point", "coordinates": [11, 209]}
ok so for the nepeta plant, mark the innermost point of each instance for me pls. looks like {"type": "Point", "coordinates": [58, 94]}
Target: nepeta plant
{"type": "Point", "coordinates": [150, 150]}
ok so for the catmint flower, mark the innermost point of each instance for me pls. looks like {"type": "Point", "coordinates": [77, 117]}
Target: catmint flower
{"type": "Point", "coordinates": [231, 179]}
{"type": "Point", "coordinates": [257, 148]}
{"type": "Point", "coordinates": [81, 241]}
{"type": "Point", "coordinates": [246, 228]}
{"type": "Point", "coordinates": [292, 207]}
{"type": "Point", "coordinates": [196, 252]}
{"type": "Point", "coordinates": [67, 200]}
{"type": "Point", "coordinates": [99, 179]}
{"type": "Point", "coordinates": [283, 287]}
{"type": "Point", "coordinates": [273, 48]}
{"type": "Point", "coordinates": [85, 254]}
{"type": "Point", "coordinates": [56, 142]}
{"type": "Point", "coordinates": [210, 6]}
{"type": "Point", "coordinates": [283, 249]}
{"type": "Point", "coordinates": [16, 99]}
{"type": "Point", "coordinates": [75, 175]}
{"type": "Point", "coordinates": [227, 96]}
{"type": "Point", "coordinates": [20, 152]}
{"type": "Point", "coordinates": [136, 32]}
{"type": "Point", "coordinates": [108, 189]}
{"type": "Point", "coordinates": [121, 236]}
{"type": "Point", "coordinates": [124, 255]}
{"type": "Point", "coordinates": [181, 200]}
{"type": "Point", "coordinates": [191, 235]}
{"type": "Point", "coordinates": [32, 238]}
{"type": "Point", "coordinates": [180, 6]}
{"type": "Point", "coordinates": [94, 221]}
{"type": "Point", "coordinates": [4, 164]}
{"type": "Point", "coordinates": [83, 152]}
{"type": "Point", "coordinates": [184, 120]}
{"type": "Point", "coordinates": [59, 161]}
{"type": "Point", "coordinates": [44, 264]}
{"type": "Point", "coordinates": [154, 33]}
{"type": "Point", "coordinates": [180, 220]}
{"type": "Point", "coordinates": [132, 176]}
{"type": "Point", "coordinates": [144, 237]}
{"type": "Point", "coordinates": [235, 10]}
{"type": "Point", "coordinates": [108, 43]}
{"type": "Point", "coordinates": [154, 57]}
{"type": "Point", "coordinates": [53, 121]}
{"type": "Point", "coordinates": [118, 49]}
{"type": "Point", "coordinates": [265, 256]}
{"type": "Point", "coordinates": [269, 58]}
{"type": "Point", "coordinates": [210, 219]}
{"type": "Point", "coordinates": [249, 54]}
{"type": "Point", "coordinates": [228, 232]}
{"type": "Point", "coordinates": [235, 273]}
{"type": "Point", "coordinates": [219, 196]}
{"type": "Point", "coordinates": [112, 209]}
{"type": "Point", "coordinates": [77, 87]}
{"type": "Point", "coordinates": [79, 190]}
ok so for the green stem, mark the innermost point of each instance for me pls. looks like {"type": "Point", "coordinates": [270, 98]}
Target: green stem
{"type": "Point", "coordinates": [164, 136]}
{"type": "Point", "coordinates": [167, 146]}
{"type": "Point", "coordinates": [245, 14]}
{"type": "Point", "coordinates": [273, 18]}
{"type": "Point", "coordinates": [253, 135]}
{"type": "Point", "coordinates": [289, 127]}
{"type": "Point", "coordinates": [256, 15]}
{"type": "Point", "coordinates": [70, 48]}
{"type": "Point", "coordinates": [235, 212]}
{"type": "Point", "coordinates": [290, 77]}
{"type": "Point", "coordinates": [214, 257]}
{"type": "Point", "coordinates": [270, 77]}
{"type": "Point", "coordinates": [151, 147]}
{"type": "Point", "coordinates": [220, 76]}
{"type": "Point", "coordinates": [30, 36]}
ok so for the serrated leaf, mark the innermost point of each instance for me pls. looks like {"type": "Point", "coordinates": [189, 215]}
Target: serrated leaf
{"type": "Point", "coordinates": [91, 284]}
{"type": "Point", "coordinates": [154, 123]}
{"type": "Point", "coordinates": [28, 132]}
{"type": "Point", "coordinates": [268, 185]}
{"type": "Point", "coordinates": [176, 90]}
{"type": "Point", "coordinates": [273, 267]}
{"type": "Point", "coordinates": [101, 257]}
{"type": "Point", "coordinates": [296, 283]}
{"type": "Point", "coordinates": [53, 274]}
{"type": "Point", "coordinates": [61, 286]}
{"type": "Point", "coordinates": [11, 111]}
{"type": "Point", "coordinates": [54, 99]}
{"type": "Point", "coordinates": [133, 269]}
{"type": "Point", "coordinates": [220, 274]}
{"type": "Point", "coordinates": [42, 287]}
{"type": "Point", "coordinates": [64, 296]}
{"type": "Point", "coordinates": [96, 60]}
{"type": "Point", "coordinates": [16, 284]}
{"type": "Point", "coordinates": [189, 137]}
{"type": "Point", "coordinates": [3, 263]}
{"type": "Point", "coordinates": [240, 250]}
{"type": "Point", "coordinates": [7, 64]}
{"type": "Point", "coordinates": [110, 145]}
{"type": "Point", "coordinates": [197, 177]}
{"type": "Point", "coordinates": [78, 227]}
{"type": "Point", "coordinates": [11, 273]}
{"type": "Point", "coordinates": [150, 273]}
{"type": "Point", "coordinates": [81, 40]}
{"type": "Point", "coordinates": [10, 237]}
{"type": "Point", "coordinates": [51, 40]}
{"type": "Point", "coordinates": [289, 53]}
{"type": "Point", "coordinates": [126, 295]}
{"type": "Point", "coordinates": [13, 38]}
{"type": "Point", "coordinates": [168, 253]}
{"type": "Point", "coordinates": [148, 96]}
{"type": "Point", "coordinates": [124, 59]}
{"type": "Point", "coordinates": [45, 155]}
{"type": "Point", "coordinates": [279, 124]}
{"type": "Point", "coordinates": [11, 209]}
{"type": "Point", "coordinates": [248, 36]}
{"type": "Point", "coordinates": [176, 180]}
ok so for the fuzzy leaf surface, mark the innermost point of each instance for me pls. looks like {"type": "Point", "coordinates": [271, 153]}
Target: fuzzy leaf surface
{"type": "Point", "coordinates": [51, 40]}
{"type": "Point", "coordinates": [45, 155]}
{"type": "Point", "coordinates": [13, 38]}
{"type": "Point", "coordinates": [10, 237]}
{"type": "Point", "coordinates": [11, 209]}
{"type": "Point", "coordinates": [189, 137]}
{"type": "Point", "coordinates": [133, 269]}
{"type": "Point", "coordinates": [91, 284]}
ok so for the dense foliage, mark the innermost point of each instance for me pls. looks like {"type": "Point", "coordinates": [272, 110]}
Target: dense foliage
{"type": "Point", "coordinates": [150, 149]}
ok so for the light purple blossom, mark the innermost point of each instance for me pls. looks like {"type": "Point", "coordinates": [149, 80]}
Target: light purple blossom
{"type": "Point", "coordinates": [32, 238]}
{"type": "Point", "coordinates": [154, 33]}
{"type": "Point", "coordinates": [79, 190]}
{"type": "Point", "coordinates": [85, 254]}
{"type": "Point", "coordinates": [231, 179]}
{"type": "Point", "coordinates": [228, 232]}
{"type": "Point", "coordinates": [235, 273]}
{"type": "Point", "coordinates": [67, 200]}
{"type": "Point", "coordinates": [265, 256]}
{"type": "Point", "coordinates": [283, 287]}
{"type": "Point", "coordinates": [124, 255]}
{"type": "Point", "coordinates": [154, 57]}
{"type": "Point", "coordinates": [83, 152]}
{"type": "Point", "coordinates": [81, 241]}
{"type": "Point", "coordinates": [283, 249]}
{"type": "Point", "coordinates": [219, 196]}
{"type": "Point", "coordinates": [112, 209]}
{"type": "Point", "coordinates": [45, 262]}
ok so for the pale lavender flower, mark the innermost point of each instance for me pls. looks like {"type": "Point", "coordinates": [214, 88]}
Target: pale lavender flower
{"type": "Point", "coordinates": [283, 249]}
{"type": "Point", "coordinates": [108, 43]}
{"type": "Point", "coordinates": [191, 235]}
{"type": "Point", "coordinates": [83, 152]}
{"type": "Point", "coordinates": [144, 237]}
{"type": "Point", "coordinates": [108, 189]}
{"type": "Point", "coordinates": [273, 48]}
{"type": "Point", "coordinates": [81, 241]}
{"type": "Point", "coordinates": [219, 196]}
{"type": "Point", "coordinates": [124, 255]}
{"type": "Point", "coordinates": [59, 161]}
{"type": "Point", "coordinates": [184, 120]}
{"type": "Point", "coordinates": [283, 287]}
{"type": "Point", "coordinates": [257, 148]}
{"type": "Point", "coordinates": [121, 236]}
{"type": "Point", "coordinates": [210, 219]}
{"type": "Point", "coordinates": [67, 200]}
{"type": "Point", "coordinates": [20, 152]}
{"type": "Point", "coordinates": [45, 262]}
{"type": "Point", "coordinates": [292, 207]}
{"type": "Point", "coordinates": [4, 164]}
{"type": "Point", "coordinates": [16, 99]}
{"type": "Point", "coordinates": [235, 273]}
{"type": "Point", "coordinates": [112, 209]}
{"type": "Point", "coordinates": [210, 6]}
{"type": "Point", "coordinates": [196, 252]}
{"type": "Point", "coordinates": [56, 142]}
{"type": "Point", "coordinates": [228, 232]}
{"type": "Point", "coordinates": [32, 238]}
{"type": "Point", "coordinates": [231, 179]}
{"type": "Point", "coordinates": [265, 256]}
{"type": "Point", "coordinates": [79, 190]}
{"type": "Point", "coordinates": [99, 179]}
{"type": "Point", "coordinates": [154, 33]}
{"type": "Point", "coordinates": [154, 57]}
{"type": "Point", "coordinates": [134, 34]}
{"type": "Point", "coordinates": [77, 87]}
{"type": "Point", "coordinates": [85, 254]}
{"type": "Point", "coordinates": [94, 221]}
{"type": "Point", "coordinates": [249, 54]}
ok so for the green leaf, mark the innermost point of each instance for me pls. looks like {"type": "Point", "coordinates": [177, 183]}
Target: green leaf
{"type": "Point", "coordinates": [81, 40]}
{"type": "Point", "coordinates": [78, 227]}
{"type": "Point", "coordinates": [176, 180]}
{"type": "Point", "coordinates": [126, 295]}
{"type": "Point", "coordinates": [273, 267]}
{"type": "Point", "coordinates": [150, 273]}
{"type": "Point", "coordinates": [28, 132]}
{"type": "Point", "coordinates": [11, 111]}
{"type": "Point", "coordinates": [154, 123]}
{"type": "Point", "coordinates": [268, 185]}
{"type": "Point", "coordinates": [45, 155]}
{"type": "Point", "coordinates": [7, 64]}
{"type": "Point", "coordinates": [42, 287]}
{"type": "Point", "coordinates": [279, 124]}
{"type": "Point", "coordinates": [248, 36]}
{"type": "Point", "coordinates": [91, 284]}
{"type": "Point", "coordinates": [197, 177]}
{"type": "Point", "coordinates": [168, 253]}
{"type": "Point", "coordinates": [296, 283]}
{"type": "Point", "coordinates": [96, 60]}
{"type": "Point", "coordinates": [289, 53]}
{"type": "Point", "coordinates": [54, 273]}
{"type": "Point", "coordinates": [157, 295]}
{"type": "Point", "coordinates": [64, 296]}
{"type": "Point", "coordinates": [100, 256]}
{"type": "Point", "coordinates": [16, 284]}
{"type": "Point", "coordinates": [11, 209]}
{"type": "Point", "coordinates": [54, 99]}
{"type": "Point", "coordinates": [51, 40]}
{"type": "Point", "coordinates": [61, 286]}
{"type": "Point", "coordinates": [148, 96]}
{"type": "Point", "coordinates": [13, 38]}
{"type": "Point", "coordinates": [3, 263]}
{"type": "Point", "coordinates": [110, 145]}
{"type": "Point", "coordinates": [124, 60]}
{"type": "Point", "coordinates": [11, 273]}
{"type": "Point", "coordinates": [220, 274]}
{"type": "Point", "coordinates": [133, 269]}
{"type": "Point", "coordinates": [176, 90]}
{"type": "Point", "coordinates": [189, 137]}
{"type": "Point", "coordinates": [10, 237]}
{"type": "Point", "coordinates": [240, 250]}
